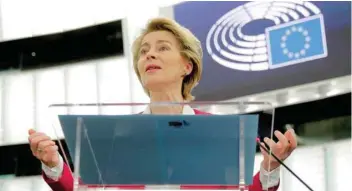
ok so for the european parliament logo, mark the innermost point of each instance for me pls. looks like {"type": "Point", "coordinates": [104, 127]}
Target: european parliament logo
{"type": "Point", "coordinates": [298, 35]}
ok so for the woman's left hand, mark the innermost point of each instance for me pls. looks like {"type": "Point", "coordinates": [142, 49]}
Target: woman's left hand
{"type": "Point", "coordinates": [282, 149]}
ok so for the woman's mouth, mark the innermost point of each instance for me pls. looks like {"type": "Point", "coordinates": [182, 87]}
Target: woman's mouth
{"type": "Point", "coordinates": [152, 68]}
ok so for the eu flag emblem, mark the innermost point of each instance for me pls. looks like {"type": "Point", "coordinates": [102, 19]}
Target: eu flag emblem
{"type": "Point", "coordinates": [296, 42]}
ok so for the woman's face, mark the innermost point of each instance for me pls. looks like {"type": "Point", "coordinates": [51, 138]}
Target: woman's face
{"type": "Point", "coordinates": [160, 63]}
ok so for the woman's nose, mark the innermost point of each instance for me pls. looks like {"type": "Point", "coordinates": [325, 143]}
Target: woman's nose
{"type": "Point", "coordinates": [151, 55]}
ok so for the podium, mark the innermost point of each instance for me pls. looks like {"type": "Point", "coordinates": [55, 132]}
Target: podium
{"type": "Point", "coordinates": [211, 145]}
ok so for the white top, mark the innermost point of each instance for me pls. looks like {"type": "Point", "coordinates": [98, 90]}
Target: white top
{"type": "Point", "coordinates": [267, 179]}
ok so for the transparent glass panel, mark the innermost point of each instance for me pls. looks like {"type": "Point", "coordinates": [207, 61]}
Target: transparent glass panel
{"type": "Point", "coordinates": [189, 150]}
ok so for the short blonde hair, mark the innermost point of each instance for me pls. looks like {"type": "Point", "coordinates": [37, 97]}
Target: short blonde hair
{"type": "Point", "coordinates": [190, 46]}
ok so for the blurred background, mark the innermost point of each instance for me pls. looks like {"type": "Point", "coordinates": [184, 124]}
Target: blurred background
{"type": "Point", "coordinates": [79, 51]}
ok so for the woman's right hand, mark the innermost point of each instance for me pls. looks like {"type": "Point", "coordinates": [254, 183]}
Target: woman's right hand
{"type": "Point", "coordinates": [43, 148]}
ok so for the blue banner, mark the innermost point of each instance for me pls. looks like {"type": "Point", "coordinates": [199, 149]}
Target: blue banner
{"type": "Point", "coordinates": [243, 48]}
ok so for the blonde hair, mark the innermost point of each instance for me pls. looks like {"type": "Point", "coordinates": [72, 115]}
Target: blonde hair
{"type": "Point", "coordinates": [190, 46]}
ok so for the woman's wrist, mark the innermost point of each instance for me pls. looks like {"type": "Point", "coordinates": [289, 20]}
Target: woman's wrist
{"type": "Point", "coordinates": [270, 165]}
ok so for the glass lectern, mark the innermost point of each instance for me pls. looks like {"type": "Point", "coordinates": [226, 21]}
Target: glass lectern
{"type": "Point", "coordinates": [211, 145]}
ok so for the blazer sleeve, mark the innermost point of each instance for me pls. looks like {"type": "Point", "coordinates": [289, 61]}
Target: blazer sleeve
{"type": "Point", "coordinates": [65, 183]}
{"type": "Point", "coordinates": [257, 185]}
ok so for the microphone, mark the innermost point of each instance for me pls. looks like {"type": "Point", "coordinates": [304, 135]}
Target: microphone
{"type": "Point", "coordinates": [282, 163]}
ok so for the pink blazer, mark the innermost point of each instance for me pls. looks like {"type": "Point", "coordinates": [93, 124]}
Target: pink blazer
{"type": "Point", "coordinates": [65, 183]}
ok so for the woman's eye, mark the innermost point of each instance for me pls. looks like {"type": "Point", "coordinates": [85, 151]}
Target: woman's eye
{"type": "Point", "coordinates": [143, 52]}
{"type": "Point", "coordinates": [163, 48]}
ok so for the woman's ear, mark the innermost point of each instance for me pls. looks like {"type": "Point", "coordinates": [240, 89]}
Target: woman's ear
{"type": "Point", "coordinates": [189, 67]}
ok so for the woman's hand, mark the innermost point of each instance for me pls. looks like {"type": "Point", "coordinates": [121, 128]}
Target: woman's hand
{"type": "Point", "coordinates": [282, 149]}
{"type": "Point", "coordinates": [43, 148]}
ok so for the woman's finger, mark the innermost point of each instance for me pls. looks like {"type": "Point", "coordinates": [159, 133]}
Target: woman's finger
{"type": "Point", "coordinates": [43, 145]}
{"type": "Point", "coordinates": [283, 144]}
{"type": "Point", "coordinates": [291, 137]}
{"type": "Point", "coordinates": [270, 143]}
{"type": "Point", "coordinates": [36, 141]}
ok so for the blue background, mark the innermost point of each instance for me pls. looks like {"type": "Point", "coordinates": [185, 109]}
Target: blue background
{"type": "Point", "coordinates": [295, 42]}
{"type": "Point", "coordinates": [219, 82]}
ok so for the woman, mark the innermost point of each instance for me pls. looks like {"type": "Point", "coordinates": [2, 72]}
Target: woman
{"type": "Point", "coordinates": [167, 60]}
